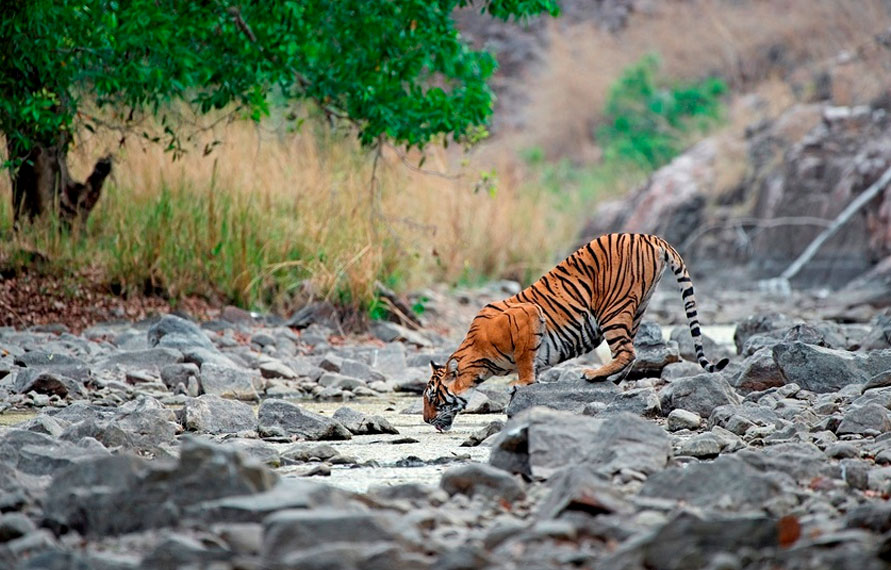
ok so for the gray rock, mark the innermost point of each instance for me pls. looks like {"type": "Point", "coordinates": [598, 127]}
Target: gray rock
{"type": "Point", "coordinates": [121, 494]}
{"type": "Point", "coordinates": [700, 394]}
{"type": "Point", "coordinates": [14, 525]}
{"type": "Point", "coordinates": [680, 369]}
{"type": "Point", "coordinates": [277, 416]}
{"type": "Point", "coordinates": [738, 419]}
{"type": "Point", "coordinates": [879, 336]}
{"type": "Point", "coordinates": [870, 419]}
{"type": "Point", "coordinates": [389, 332]}
{"type": "Point", "coordinates": [679, 419]}
{"type": "Point", "coordinates": [702, 446]}
{"type": "Point", "coordinates": [228, 382]}
{"type": "Point", "coordinates": [47, 381]}
{"type": "Point", "coordinates": [761, 323]}
{"type": "Point", "coordinates": [801, 461]}
{"type": "Point", "coordinates": [360, 370]}
{"type": "Point", "coordinates": [276, 369]}
{"type": "Point", "coordinates": [211, 414]}
{"type": "Point", "coordinates": [362, 424]}
{"type": "Point", "coordinates": [151, 360]}
{"type": "Point", "coordinates": [34, 453]}
{"type": "Point", "coordinates": [483, 434]}
{"type": "Point", "coordinates": [293, 530]}
{"type": "Point", "coordinates": [652, 352]}
{"type": "Point", "coordinates": [569, 395]}
{"type": "Point", "coordinates": [823, 370]}
{"type": "Point", "coordinates": [641, 401]}
{"type": "Point", "coordinates": [318, 313]}
{"type": "Point", "coordinates": [689, 540]}
{"type": "Point", "coordinates": [880, 380]}
{"type": "Point", "coordinates": [728, 482]}
{"type": "Point", "coordinates": [182, 551]}
{"type": "Point", "coordinates": [389, 360]}
{"type": "Point", "coordinates": [288, 493]}
{"type": "Point", "coordinates": [483, 401]}
{"type": "Point", "coordinates": [256, 450]}
{"type": "Point", "coordinates": [759, 372]}
{"type": "Point", "coordinates": [175, 332]}
{"type": "Point", "coordinates": [174, 374]}
{"type": "Point", "coordinates": [579, 488]}
{"type": "Point", "coordinates": [539, 441]}
{"type": "Point", "coordinates": [339, 381]}
{"type": "Point", "coordinates": [484, 480]}
{"type": "Point", "coordinates": [41, 359]}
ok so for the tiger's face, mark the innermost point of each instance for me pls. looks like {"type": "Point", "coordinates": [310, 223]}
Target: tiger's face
{"type": "Point", "coordinates": [441, 405]}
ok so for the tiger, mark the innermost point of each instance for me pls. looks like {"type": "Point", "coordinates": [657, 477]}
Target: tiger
{"type": "Point", "coordinates": [599, 292]}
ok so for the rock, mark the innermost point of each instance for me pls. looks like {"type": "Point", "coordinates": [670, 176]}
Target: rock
{"type": "Point", "coordinates": [211, 414]}
{"type": "Point", "coordinates": [803, 462]}
{"type": "Point", "coordinates": [182, 373]}
{"type": "Point", "coordinates": [579, 488]}
{"type": "Point", "coordinates": [879, 336]}
{"type": "Point", "coordinates": [279, 416]}
{"type": "Point", "coordinates": [823, 370]}
{"type": "Point", "coordinates": [319, 313]}
{"type": "Point", "coordinates": [700, 394]}
{"type": "Point", "coordinates": [652, 352]}
{"type": "Point", "coordinates": [870, 419]}
{"type": "Point", "coordinates": [389, 332]}
{"type": "Point", "coordinates": [567, 395]}
{"type": "Point", "coordinates": [360, 370]}
{"type": "Point", "coordinates": [151, 360]}
{"type": "Point", "coordinates": [290, 531]}
{"type": "Point", "coordinates": [288, 493]}
{"type": "Point", "coordinates": [761, 323]}
{"type": "Point", "coordinates": [540, 441]}
{"type": "Point", "coordinates": [181, 551]}
{"type": "Point", "coordinates": [680, 419]}
{"type": "Point", "coordinates": [880, 380]}
{"type": "Point", "coordinates": [276, 369]}
{"type": "Point", "coordinates": [14, 525]}
{"type": "Point", "coordinates": [690, 540]}
{"type": "Point", "coordinates": [641, 401]}
{"type": "Point", "coordinates": [483, 434]}
{"type": "Point", "coordinates": [228, 382]}
{"type": "Point", "coordinates": [725, 483]}
{"type": "Point", "coordinates": [738, 419]}
{"type": "Point", "coordinates": [702, 446]}
{"type": "Point", "coordinates": [41, 359]}
{"type": "Point", "coordinates": [339, 381]}
{"type": "Point", "coordinates": [389, 360]}
{"type": "Point", "coordinates": [362, 424]}
{"type": "Point", "coordinates": [121, 494]}
{"type": "Point", "coordinates": [46, 381]}
{"type": "Point", "coordinates": [479, 479]}
{"type": "Point", "coordinates": [680, 369]}
{"type": "Point", "coordinates": [759, 372]}
{"type": "Point", "coordinates": [34, 453]}
{"type": "Point", "coordinates": [175, 332]}
{"type": "Point", "coordinates": [487, 402]}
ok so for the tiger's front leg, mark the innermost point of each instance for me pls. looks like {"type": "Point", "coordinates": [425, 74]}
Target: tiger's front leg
{"type": "Point", "coordinates": [526, 326]}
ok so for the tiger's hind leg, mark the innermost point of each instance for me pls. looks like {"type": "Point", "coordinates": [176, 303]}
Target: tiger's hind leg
{"type": "Point", "coordinates": [618, 335]}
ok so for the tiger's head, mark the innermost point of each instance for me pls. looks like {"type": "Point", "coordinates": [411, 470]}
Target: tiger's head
{"type": "Point", "coordinates": [441, 403]}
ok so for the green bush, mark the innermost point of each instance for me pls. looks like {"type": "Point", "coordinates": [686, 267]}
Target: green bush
{"type": "Point", "coordinates": [649, 120]}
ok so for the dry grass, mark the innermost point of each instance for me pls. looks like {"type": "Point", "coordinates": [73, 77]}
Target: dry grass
{"type": "Point", "coordinates": [744, 42]}
{"type": "Point", "coordinates": [271, 216]}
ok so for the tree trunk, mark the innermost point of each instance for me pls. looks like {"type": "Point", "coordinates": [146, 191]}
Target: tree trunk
{"type": "Point", "coordinates": [41, 184]}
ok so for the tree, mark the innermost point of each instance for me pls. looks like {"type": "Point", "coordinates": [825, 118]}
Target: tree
{"type": "Point", "coordinates": [396, 70]}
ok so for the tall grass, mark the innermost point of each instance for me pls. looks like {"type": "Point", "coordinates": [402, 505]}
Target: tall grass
{"type": "Point", "coordinates": [272, 218]}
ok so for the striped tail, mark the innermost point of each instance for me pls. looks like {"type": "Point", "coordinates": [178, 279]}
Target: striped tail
{"type": "Point", "coordinates": [686, 285]}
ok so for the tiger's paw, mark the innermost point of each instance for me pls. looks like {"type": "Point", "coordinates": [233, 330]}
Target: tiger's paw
{"type": "Point", "coordinates": [592, 376]}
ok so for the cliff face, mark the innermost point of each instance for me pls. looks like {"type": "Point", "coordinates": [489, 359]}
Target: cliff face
{"type": "Point", "coordinates": [794, 185]}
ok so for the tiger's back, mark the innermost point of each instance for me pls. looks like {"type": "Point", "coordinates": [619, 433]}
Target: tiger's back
{"type": "Point", "coordinates": [599, 292]}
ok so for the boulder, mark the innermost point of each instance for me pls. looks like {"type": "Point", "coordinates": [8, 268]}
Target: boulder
{"type": "Point", "coordinates": [278, 417]}
{"type": "Point", "coordinates": [479, 479]}
{"type": "Point", "coordinates": [228, 382]}
{"type": "Point", "coordinates": [539, 441]}
{"type": "Point", "coordinates": [362, 424]}
{"type": "Point", "coordinates": [120, 494]}
{"type": "Point", "coordinates": [700, 394]}
{"type": "Point", "coordinates": [211, 414]}
{"type": "Point", "coordinates": [567, 395]}
{"type": "Point", "coordinates": [176, 332]}
{"type": "Point", "coordinates": [822, 370]}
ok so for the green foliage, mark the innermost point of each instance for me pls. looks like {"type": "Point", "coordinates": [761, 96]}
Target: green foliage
{"type": "Point", "coordinates": [650, 119]}
{"type": "Point", "coordinates": [393, 69]}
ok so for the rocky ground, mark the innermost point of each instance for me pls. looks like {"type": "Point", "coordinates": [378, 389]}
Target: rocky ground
{"type": "Point", "coordinates": [257, 442]}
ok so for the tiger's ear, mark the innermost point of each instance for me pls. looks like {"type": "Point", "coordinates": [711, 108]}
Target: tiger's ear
{"type": "Point", "coordinates": [434, 366]}
{"type": "Point", "coordinates": [452, 365]}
